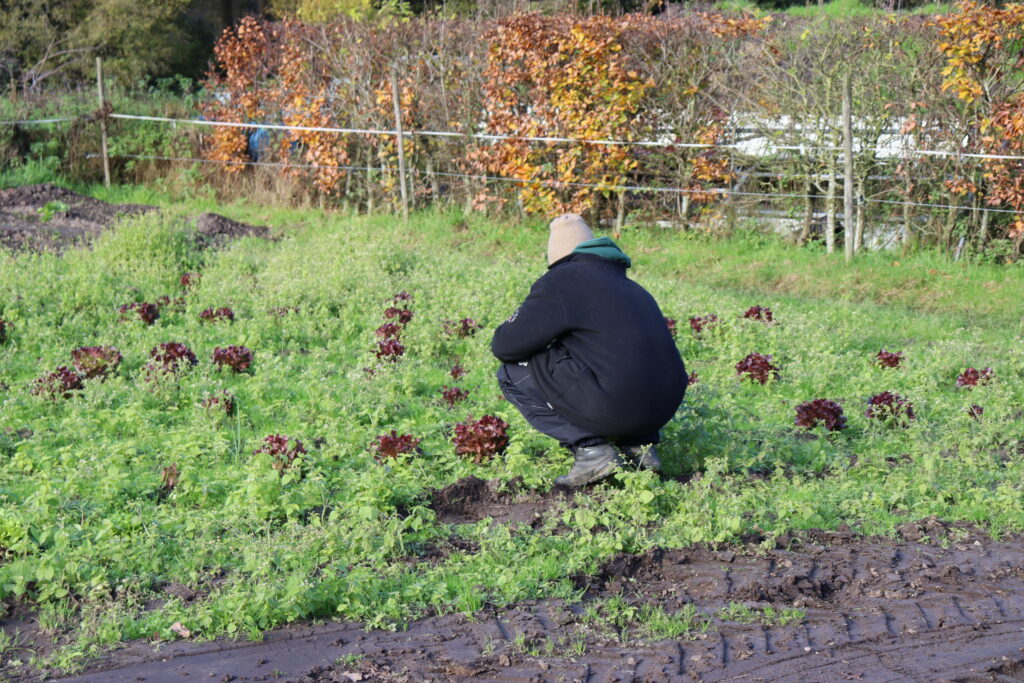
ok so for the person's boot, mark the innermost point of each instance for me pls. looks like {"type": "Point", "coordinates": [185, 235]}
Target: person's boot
{"type": "Point", "coordinates": [591, 464]}
{"type": "Point", "coordinates": [644, 457]}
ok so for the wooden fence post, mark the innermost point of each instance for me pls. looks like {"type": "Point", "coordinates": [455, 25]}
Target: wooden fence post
{"type": "Point", "coordinates": [401, 144]}
{"type": "Point", "coordinates": [849, 228]}
{"type": "Point", "coordinates": [103, 121]}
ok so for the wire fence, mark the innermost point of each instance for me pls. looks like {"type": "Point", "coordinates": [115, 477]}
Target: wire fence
{"type": "Point", "coordinates": [763, 150]}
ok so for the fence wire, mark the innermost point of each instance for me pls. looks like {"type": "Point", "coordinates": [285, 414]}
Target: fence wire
{"type": "Point", "coordinates": [722, 191]}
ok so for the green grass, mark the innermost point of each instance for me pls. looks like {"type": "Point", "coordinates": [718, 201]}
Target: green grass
{"type": "Point", "coordinates": [90, 538]}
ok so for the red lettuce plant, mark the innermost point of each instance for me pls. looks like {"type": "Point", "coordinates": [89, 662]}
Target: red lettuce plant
{"type": "Point", "coordinates": [282, 311]}
{"type": "Point", "coordinates": [453, 395]}
{"type": "Point", "coordinates": [224, 401]}
{"type": "Point", "coordinates": [144, 311]}
{"type": "Point", "coordinates": [820, 411]}
{"type": "Point", "coordinates": [284, 454]}
{"type": "Point", "coordinates": [692, 378]}
{"type": "Point", "coordinates": [463, 328]}
{"type": "Point", "coordinates": [213, 315]}
{"type": "Point", "coordinates": [702, 322]}
{"type": "Point", "coordinates": [238, 358]}
{"type": "Point", "coordinates": [390, 350]}
{"type": "Point", "coordinates": [61, 383]}
{"type": "Point", "coordinates": [403, 315]}
{"type": "Point", "coordinates": [976, 411]}
{"type": "Point", "coordinates": [458, 372]}
{"type": "Point", "coordinates": [759, 313]}
{"type": "Point", "coordinates": [402, 296]}
{"type": "Point", "coordinates": [392, 445]}
{"type": "Point", "coordinates": [890, 407]}
{"type": "Point", "coordinates": [190, 280]}
{"type": "Point", "coordinates": [758, 368]}
{"type": "Point", "coordinates": [889, 359]}
{"type": "Point", "coordinates": [96, 361]}
{"type": "Point", "coordinates": [4, 326]}
{"type": "Point", "coordinates": [169, 477]}
{"type": "Point", "coordinates": [170, 357]}
{"type": "Point", "coordinates": [972, 377]}
{"type": "Point", "coordinates": [176, 304]}
{"type": "Point", "coordinates": [389, 331]}
{"type": "Point", "coordinates": [483, 438]}
{"type": "Point", "coordinates": [671, 323]}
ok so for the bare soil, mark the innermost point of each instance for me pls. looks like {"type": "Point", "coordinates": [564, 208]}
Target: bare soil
{"type": "Point", "coordinates": [472, 499]}
{"type": "Point", "coordinates": [27, 224]}
{"type": "Point", "coordinates": [945, 606]}
{"type": "Point", "coordinates": [48, 217]}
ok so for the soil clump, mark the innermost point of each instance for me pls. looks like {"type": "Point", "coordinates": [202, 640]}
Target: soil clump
{"type": "Point", "coordinates": [471, 499]}
{"type": "Point", "coordinates": [216, 231]}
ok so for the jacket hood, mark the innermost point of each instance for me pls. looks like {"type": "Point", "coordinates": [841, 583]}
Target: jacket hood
{"type": "Point", "coordinates": [605, 248]}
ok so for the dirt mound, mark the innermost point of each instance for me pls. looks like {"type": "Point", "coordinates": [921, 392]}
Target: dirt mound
{"type": "Point", "coordinates": [874, 610]}
{"type": "Point", "coordinates": [471, 499]}
{"type": "Point", "coordinates": [47, 217]}
{"type": "Point", "coordinates": [214, 230]}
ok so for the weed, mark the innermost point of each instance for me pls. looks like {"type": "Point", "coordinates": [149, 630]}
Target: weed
{"type": "Point", "coordinates": [50, 209]}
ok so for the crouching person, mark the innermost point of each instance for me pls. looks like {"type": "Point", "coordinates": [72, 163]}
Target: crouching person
{"type": "Point", "coordinates": [588, 358]}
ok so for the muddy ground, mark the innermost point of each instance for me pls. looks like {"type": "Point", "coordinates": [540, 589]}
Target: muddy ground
{"type": "Point", "coordinates": [48, 217]}
{"type": "Point", "coordinates": [941, 603]}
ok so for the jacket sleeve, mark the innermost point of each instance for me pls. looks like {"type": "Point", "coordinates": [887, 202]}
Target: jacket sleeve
{"type": "Point", "coordinates": [534, 325]}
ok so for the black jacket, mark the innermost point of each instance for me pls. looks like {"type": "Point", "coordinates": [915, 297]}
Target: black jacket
{"type": "Point", "coordinates": [598, 346]}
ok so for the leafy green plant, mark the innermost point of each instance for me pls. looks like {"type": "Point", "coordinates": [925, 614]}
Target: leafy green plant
{"type": "Point", "coordinates": [50, 209]}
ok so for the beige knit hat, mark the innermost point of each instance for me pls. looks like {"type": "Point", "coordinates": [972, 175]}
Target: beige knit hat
{"type": "Point", "coordinates": [568, 231]}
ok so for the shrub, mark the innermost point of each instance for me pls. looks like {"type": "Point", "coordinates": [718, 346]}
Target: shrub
{"type": "Point", "coordinates": [759, 313]}
{"type": "Point", "coordinates": [190, 280]}
{"type": "Point", "coordinates": [890, 407]}
{"type": "Point", "coordinates": [238, 358]}
{"type": "Point", "coordinates": [223, 401]}
{"type": "Point", "coordinates": [144, 311]}
{"type": "Point", "coordinates": [61, 383]}
{"type": "Point", "coordinates": [394, 444]}
{"type": "Point", "coordinates": [453, 395]}
{"type": "Point", "coordinates": [820, 411]}
{"type": "Point", "coordinates": [390, 350]}
{"type": "Point", "coordinates": [889, 359]}
{"type": "Point", "coordinates": [214, 315]}
{"type": "Point", "coordinates": [700, 323]}
{"type": "Point", "coordinates": [972, 377]}
{"type": "Point", "coordinates": [96, 361]}
{"type": "Point", "coordinates": [758, 368]}
{"type": "Point", "coordinates": [671, 323]}
{"type": "Point", "coordinates": [463, 328]}
{"type": "Point", "coordinates": [483, 438]}
{"type": "Point", "coordinates": [284, 454]}
{"type": "Point", "coordinates": [170, 357]}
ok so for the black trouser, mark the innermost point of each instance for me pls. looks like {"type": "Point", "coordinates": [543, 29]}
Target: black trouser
{"type": "Point", "coordinates": [518, 386]}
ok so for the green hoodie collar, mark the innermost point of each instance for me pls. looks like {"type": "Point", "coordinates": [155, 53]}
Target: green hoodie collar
{"type": "Point", "coordinates": [605, 248]}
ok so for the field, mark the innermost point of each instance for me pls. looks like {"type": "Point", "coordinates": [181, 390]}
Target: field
{"type": "Point", "coordinates": [147, 508]}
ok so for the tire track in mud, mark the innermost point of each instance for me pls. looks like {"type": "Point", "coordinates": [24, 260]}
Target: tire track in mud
{"type": "Point", "coordinates": [876, 610]}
